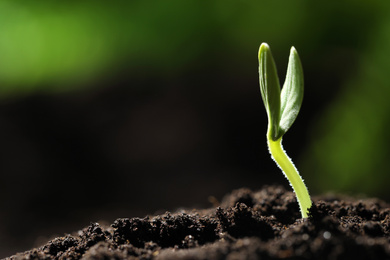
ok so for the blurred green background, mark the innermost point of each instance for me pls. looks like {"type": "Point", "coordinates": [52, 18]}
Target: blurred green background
{"type": "Point", "coordinates": [121, 108]}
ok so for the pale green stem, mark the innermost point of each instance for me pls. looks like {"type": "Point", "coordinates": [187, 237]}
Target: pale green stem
{"type": "Point", "coordinates": [291, 173]}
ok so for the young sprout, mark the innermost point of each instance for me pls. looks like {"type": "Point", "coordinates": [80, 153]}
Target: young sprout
{"type": "Point", "coordinates": [282, 109]}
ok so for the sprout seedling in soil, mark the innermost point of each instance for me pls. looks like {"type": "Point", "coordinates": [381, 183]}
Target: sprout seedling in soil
{"type": "Point", "coordinates": [282, 109]}
{"type": "Point", "coordinates": [246, 224]}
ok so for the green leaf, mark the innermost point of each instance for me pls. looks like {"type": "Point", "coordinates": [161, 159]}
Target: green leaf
{"type": "Point", "coordinates": [292, 93]}
{"type": "Point", "coordinates": [270, 89]}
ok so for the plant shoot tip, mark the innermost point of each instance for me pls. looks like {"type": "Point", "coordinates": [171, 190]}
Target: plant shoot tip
{"type": "Point", "coordinates": [263, 48]}
{"type": "Point", "coordinates": [294, 51]}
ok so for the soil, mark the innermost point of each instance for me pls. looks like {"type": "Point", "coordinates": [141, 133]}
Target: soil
{"type": "Point", "coordinates": [265, 224]}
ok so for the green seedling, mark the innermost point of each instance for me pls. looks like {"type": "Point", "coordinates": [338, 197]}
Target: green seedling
{"type": "Point", "coordinates": [282, 109]}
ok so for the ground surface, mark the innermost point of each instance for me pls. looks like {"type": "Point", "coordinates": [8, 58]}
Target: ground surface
{"type": "Point", "coordinates": [246, 225]}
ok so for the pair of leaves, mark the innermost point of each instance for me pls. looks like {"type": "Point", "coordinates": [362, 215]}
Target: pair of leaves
{"type": "Point", "coordinates": [282, 106]}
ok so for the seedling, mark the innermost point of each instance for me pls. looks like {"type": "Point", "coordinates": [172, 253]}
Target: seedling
{"type": "Point", "coordinates": [282, 109]}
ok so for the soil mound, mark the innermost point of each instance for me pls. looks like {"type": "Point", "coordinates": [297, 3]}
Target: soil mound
{"type": "Point", "coordinates": [265, 224]}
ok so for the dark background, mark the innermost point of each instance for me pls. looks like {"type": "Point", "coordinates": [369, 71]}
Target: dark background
{"type": "Point", "coordinates": [123, 109]}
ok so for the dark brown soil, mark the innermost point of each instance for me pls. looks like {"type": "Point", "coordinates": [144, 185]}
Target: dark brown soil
{"type": "Point", "coordinates": [246, 225]}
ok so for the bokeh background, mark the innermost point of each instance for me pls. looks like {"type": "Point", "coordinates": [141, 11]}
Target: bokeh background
{"type": "Point", "coordinates": [125, 108]}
